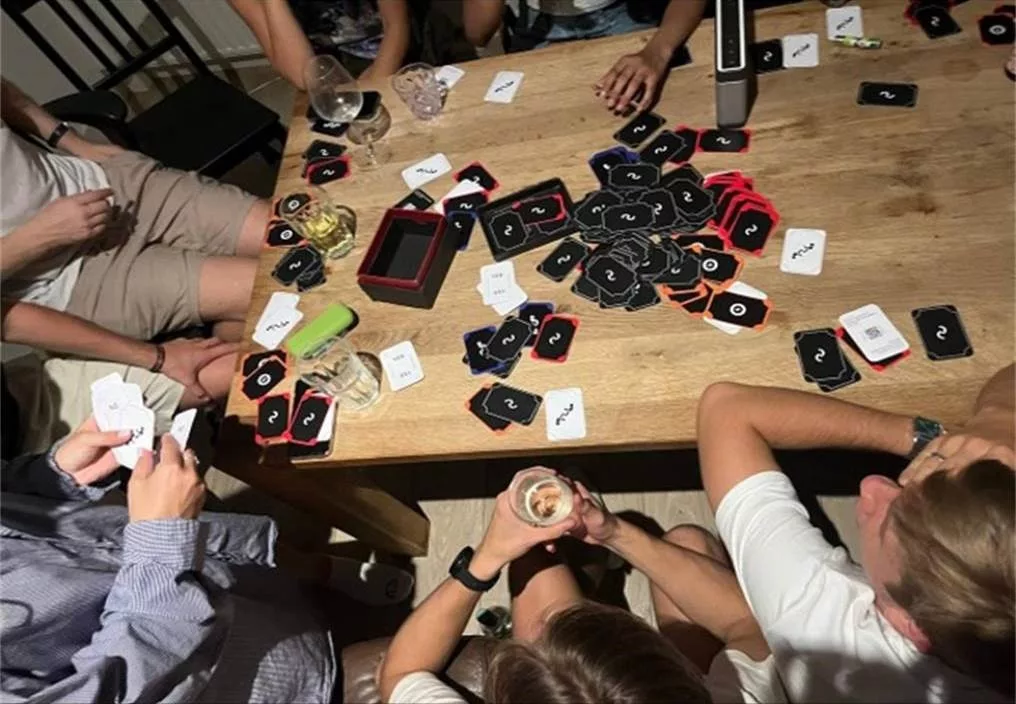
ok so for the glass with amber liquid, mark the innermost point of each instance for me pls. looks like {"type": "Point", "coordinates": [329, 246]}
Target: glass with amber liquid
{"type": "Point", "coordinates": [330, 227]}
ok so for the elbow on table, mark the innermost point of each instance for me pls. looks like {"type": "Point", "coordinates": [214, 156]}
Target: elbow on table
{"type": "Point", "coordinates": [720, 397]}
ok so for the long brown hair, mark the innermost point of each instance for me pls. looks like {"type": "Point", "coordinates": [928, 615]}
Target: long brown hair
{"type": "Point", "coordinates": [956, 536]}
{"type": "Point", "coordinates": [593, 654]}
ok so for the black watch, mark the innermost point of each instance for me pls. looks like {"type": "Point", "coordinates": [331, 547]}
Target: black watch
{"type": "Point", "coordinates": [460, 571]}
{"type": "Point", "coordinates": [925, 430]}
{"type": "Point", "coordinates": [57, 134]}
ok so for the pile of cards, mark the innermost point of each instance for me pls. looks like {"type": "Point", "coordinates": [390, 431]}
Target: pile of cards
{"type": "Point", "coordinates": [999, 28]}
{"type": "Point", "coordinates": [499, 288]}
{"type": "Point", "coordinates": [496, 350]}
{"type": "Point", "coordinates": [676, 146]}
{"type": "Point", "coordinates": [792, 51]}
{"type": "Point", "coordinates": [822, 361]}
{"type": "Point", "coordinates": [279, 233]}
{"type": "Point", "coordinates": [498, 406]}
{"type": "Point", "coordinates": [324, 162]}
{"type": "Point", "coordinates": [933, 17]}
{"type": "Point", "coordinates": [312, 422]}
{"type": "Point", "coordinates": [302, 265]}
{"type": "Point", "coordinates": [527, 219]}
{"type": "Point", "coordinates": [744, 218]}
{"type": "Point", "coordinates": [279, 318]}
{"type": "Point", "coordinates": [401, 365]}
{"type": "Point", "coordinates": [262, 372]}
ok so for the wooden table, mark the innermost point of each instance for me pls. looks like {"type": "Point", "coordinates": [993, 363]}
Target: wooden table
{"type": "Point", "coordinates": [917, 203]}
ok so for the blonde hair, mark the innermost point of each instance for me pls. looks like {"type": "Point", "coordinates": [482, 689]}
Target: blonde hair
{"type": "Point", "coordinates": [956, 536]}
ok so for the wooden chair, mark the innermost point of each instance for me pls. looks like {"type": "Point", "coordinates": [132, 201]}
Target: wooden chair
{"type": "Point", "coordinates": [207, 125]}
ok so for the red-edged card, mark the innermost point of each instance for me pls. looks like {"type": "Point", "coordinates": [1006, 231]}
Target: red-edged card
{"type": "Point", "coordinates": [555, 338]}
{"type": "Point", "coordinates": [478, 174]}
{"type": "Point", "coordinates": [328, 170]}
{"type": "Point", "coordinates": [752, 227]}
{"type": "Point", "coordinates": [273, 419]}
{"type": "Point", "coordinates": [308, 418]}
{"type": "Point", "coordinates": [691, 139]}
{"type": "Point", "coordinates": [841, 333]}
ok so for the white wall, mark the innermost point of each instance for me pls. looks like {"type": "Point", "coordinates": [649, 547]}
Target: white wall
{"type": "Point", "coordinates": [211, 27]}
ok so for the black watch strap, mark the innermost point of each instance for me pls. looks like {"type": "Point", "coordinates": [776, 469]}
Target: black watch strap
{"type": "Point", "coordinates": [460, 571]}
{"type": "Point", "coordinates": [925, 430]}
{"type": "Point", "coordinates": [57, 134]}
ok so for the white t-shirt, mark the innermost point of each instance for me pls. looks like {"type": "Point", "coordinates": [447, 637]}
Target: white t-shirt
{"type": "Point", "coordinates": [817, 610]}
{"type": "Point", "coordinates": [33, 178]}
{"type": "Point", "coordinates": [733, 678]}
{"type": "Point", "coordinates": [563, 8]}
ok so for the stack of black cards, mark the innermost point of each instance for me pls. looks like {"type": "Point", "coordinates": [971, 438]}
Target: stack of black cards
{"type": "Point", "coordinates": [497, 350]}
{"type": "Point", "coordinates": [499, 406]}
{"type": "Point", "coordinates": [325, 162]}
{"type": "Point", "coordinates": [822, 360]}
{"type": "Point", "coordinates": [302, 265]}
{"type": "Point", "coordinates": [527, 219]}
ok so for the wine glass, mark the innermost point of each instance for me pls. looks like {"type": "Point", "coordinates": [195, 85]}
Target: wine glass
{"type": "Point", "coordinates": [333, 92]}
{"type": "Point", "coordinates": [367, 132]}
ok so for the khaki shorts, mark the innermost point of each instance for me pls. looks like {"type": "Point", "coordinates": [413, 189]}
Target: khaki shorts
{"type": "Point", "coordinates": [54, 395]}
{"type": "Point", "coordinates": [146, 283]}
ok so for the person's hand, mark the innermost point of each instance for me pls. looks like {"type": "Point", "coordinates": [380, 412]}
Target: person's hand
{"type": "Point", "coordinates": [171, 489]}
{"type": "Point", "coordinates": [80, 147]}
{"type": "Point", "coordinates": [596, 525]}
{"type": "Point", "coordinates": [185, 358]}
{"type": "Point", "coordinates": [622, 82]}
{"type": "Point", "coordinates": [509, 537]}
{"type": "Point", "coordinates": [87, 454]}
{"type": "Point", "coordinates": [953, 452]}
{"type": "Point", "coordinates": [73, 219]}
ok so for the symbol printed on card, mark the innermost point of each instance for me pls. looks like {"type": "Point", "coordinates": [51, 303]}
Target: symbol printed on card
{"type": "Point", "coordinates": [820, 355]}
{"type": "Point", "coordinates": [293, 203]}
{"type": "Point", "coordinates": [309, 419]}
{"type": "Point", "coordinates": [941, 331]}
{"type": "Point", "coordinates": [534, 321]}
{"type": "Point", "coordinates": [657, 208]}
{"type": "Point", "coordinates": [294, 265]}
{"type": "Point", "coordinates": [273, 416]}
{"type": "Point", "coordinates": [628, 217]}
{"type": "Point", "coordinates": [660, 149]}
{"type": "Point", "coordinates": [285, 234]}
{"type": "Point", "coordinates": [422, 170]}
{"type": "Point", "coordinates": [639, 128]}
{"type": "Point", "coordinates": [539, 211]}
{"type": "Point", "coordinates": [803, 48]}
{"type": "Point", "coordinates": [997, 30]}
{"type": "Point", "coordinates": [738, 309]}
{"type": "Point", "coordinates": [934, 21]}
{"type": "Point", "coordinates": [844, 24]}
{"type": "Point", "coordinates": [632, 176]}
{"type": "Point", "coordinates": [710, 265]}
{"type": "Point", "coordinates": [888, 95]}
{"type": "Point", "coordinates": [510, 403]}
{"type": "Point", "coordinates": [510, 339]}
{"type": "Point", "coordinates": [564, 259]}
{"type": "Point", "coordinates": [598, 208]}
{"type": "Point", "coordinates": [610, 275]}
{"type": "Point", "coordinates": [508, 229]}
{"type": "Point", "coordinates": [768, 56]}
{"type": "Point", "coordinates": [751, 230]}
{"type": "Point", "coordinates": [564, 414]}
{"type": "Point", "coordinates": [686, 196]}
{"type": "Point", "coordinates": [803, 250]}
{"type": "Point", "coordinates": [264, 379]}
{"type": "Point", "coordinates": [504, 86]}
{"type": "Point", "coordinates": [724, 141]}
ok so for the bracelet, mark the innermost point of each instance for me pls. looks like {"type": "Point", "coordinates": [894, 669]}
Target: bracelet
{"type": "Point", "coordinates": [160, 359]}
{"type": "Point", "coordinates": [57, 134]}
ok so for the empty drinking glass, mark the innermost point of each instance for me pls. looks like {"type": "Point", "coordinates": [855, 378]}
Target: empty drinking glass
{"type": "Point", "coordinates": [367, 132]}
{"type": "Point", "coordinates": [418, 86]}
{"type": "Point", "coordinates": [333, 92]}
{"type": "Point", "coordinates": [340, 373]}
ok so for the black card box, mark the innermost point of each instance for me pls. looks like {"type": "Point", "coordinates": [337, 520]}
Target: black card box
{"type": "Point", "coordinates": [408, 259]}
{"type": "Point", "coordinates": [535, 235]}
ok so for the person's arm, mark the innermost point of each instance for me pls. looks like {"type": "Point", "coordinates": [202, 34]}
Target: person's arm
{"type": "Point", "coordinates": [645, 69]}
{"type": "Point", "coordinates": [280, 35]}
{"type": "Point", "coordinates": [739, 427]}
{"type": "Point", "coordinates": [481, 19]}
{"type": "Point", "coordinates": [397, 25]}
{"type": "Point", "coordinates": [427, 638]}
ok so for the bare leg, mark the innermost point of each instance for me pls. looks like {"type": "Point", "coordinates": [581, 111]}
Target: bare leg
{"type": "Point", "coordinates": [225, 288]}
{"type": "Point", "coordinates": [252, 232]}
{"type": "Point", "coordinates": [214, 378]}
{"type": "Point", "coordinates": [541, 585]}
{"type": "Point", "coordinates": [228, 330]}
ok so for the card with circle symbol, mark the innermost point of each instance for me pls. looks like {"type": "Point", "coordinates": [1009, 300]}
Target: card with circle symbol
{"type": "Point", "coordinates": [717, 266]}
{"type": "Point", "coordinates": [589, 213]}
{"type": "Point", "coordinates": [555, 339]}
{"type": "Point", "coordinates": [512, 404]}
{"type": "Point", "coordinates": [942, 332]}
{"type": "Point", "coordinates": [288, 205]}
{"type": "Point", "coordinates": [639, 128]}
{"type": "Point", "coordinates": [273, 419]}
{"type": "Point", "coordinates": [664, 146]}
{"type": "Point", "coordinates": [568, 254]}
{"type": "Point", "coordinates": [893, 95]}
{"type": "Point", "coordinates": [767, 56]}
{"type": "Point", "coordinates": [263, 379]}
{"type": "Point", "coordinates": [280, 233]}
{"type": "Point", "coordinates": [309, 418]}
{"type": "Point", "coordinates": [640, 175]}
{"type": "Point", "coordinates": [535, 313]}
{"type": "Point", "coordinates": [479, 174]}
{"type": "Point", "coordinates": [475, 405]}
{"type": "Point", "coordinates": [734, 141]}
{"type": "Point", "coordinates": [253, 362]}
{"type": "Point", "coordinates": [327, 170]}
{"type": "Point", "coordinates": [819, 354]}
{"type": "Point", "coordinates": [997, 29]}
{"type": "Point", "coordinates": [740, 310]}
{"type": "Point", "coordinates": [508, 341]}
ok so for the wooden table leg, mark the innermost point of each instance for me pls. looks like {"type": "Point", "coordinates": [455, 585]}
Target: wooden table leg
{"type": "Point", "coordinates": [344, 499]}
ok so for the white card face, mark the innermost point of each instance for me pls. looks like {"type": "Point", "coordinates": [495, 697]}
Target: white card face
{"type": "Point", "coordinates": [181, 427]}
{"type": "Point", "coordinates": [504, 86]}
{"type": "Point", "coordinates": [462, 188]}
{"type": "Point", "coordinates": [873, 333]}
{"type": "Point", "coordinates": [498, 282]}
{"type": "Point", "coordinates": [141, 422]}
{"type": "Point", "coordinates": [426, 171]}
{"type": "Point", "coordinates": [449, 75]}
{"type": "Point", "coordinates": [515, 299]}
{"type": "Point", "coordinates": [328, 426]}
{"type": "Point", "coordinates": [402, 365]}
{"type": "Point", "coordinates": [566, 414]}
{"type": "Point", "coordinates": [803, 251]}
{"type": "Point", "coordinates": [844, 22]}
{"type": "Point", "coordinates": [800, 51]}
{"type": "Point", "coordinates": [279, 301]}
{"type": "Point", "coordinates": [274, 330]}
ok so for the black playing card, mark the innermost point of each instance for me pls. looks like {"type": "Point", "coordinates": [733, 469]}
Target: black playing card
{"type": "Point", "coordinates": [659, 151]}
{"type": "Point", "coordinates": [584, 288]}
{"type": "Point", "coordinates": [641, 175]}
{"type": "Point", "coordinates": [603, 162]}
{"type": "Point", "coordinates": [645, 296]}
{"type": "Point", "coordinates": [505, 369]}
{"type": "Point", "coordinates": [509, 339]}
{"type": "Point", "coordinates": [535, 313]}
{"type": "Point", "coordinates": [897, 95]}
{"type": "Point", "coordinates": [281, 234]}
{"type": "Point", "coordinates": [664, 208]}
{"type": "Point", "coordinates": [462, 223]}
{"type": "Point", "coordinates": [690, 137]}
{"type": "Point", "coordinates": [273, 418]}
{"type": "Point", "coordinates": [724, 140]}
{"type": "Point", "coordinates": [308, 419]}
{"type": "Point", "coordinates": [555, 338]}
{"type": "Point", "coordinates": [767, 56]}
{"type": "Point", "coordinates": [328, 170]}
{"type": "Point", "coordinates": [468, 203]}
{"type": "Point", "coordinates": [320, 149]}
{"type": "Point", "coordinates": [751, 229]}
{"type": "Point", "coordinates": [707, 241]}
{"type": "Point", "coordinates": [682, 274]}
{"type": "Point", "coordinates": [512, 404]}
{"type": "Point", "coordinates": [476, 342]}
{"type": "Point", "coordinates": [936, 22]}
{"type": "Point", "coordinates": [734, 308]}
{"type": "Point", "coordinates": [685, 172]}
{"type": "Point", "coordinates": [849, 376]}
{"type": "Point", "coordinates": [690, 198]}
{"type": "Point", "coordinates": [294, 263]}
{"type": "Point", "coordinates": [942, 332]}
{"type": "Point", "coordinates": [328, 127]}
{"type": "Point", "coordinates": [565, 257]}
{"type": "Point", "coordinates": [611, 276]}
{"type": "Point", "coordinates": [477, 408]}
{"type": "Point", "coordinates": [545, 208]}
{"type": "Point", "coordinates": [628, 216]}
{"type": "Point", "coordinates": [263, 379]}
{"type": "Point", "coordinates": [310, 279]}
{"type": "Point", "coordinates": [998, 28]}
{"type": "Point", "coordinates": [478, 174]}
{"type": "Point", "coordinates": [288, 205]}
{"type": "Point", "coordinates": [252, 361]}
{"type": "Point", "coordinates": [717, 266]}
{"type": "Point", "coordinates": [639, 128]}
{"type": "Point", "coordinates": [819, 354]}
{"type": "Point", "coordinates": [589, 213]}
{"type": "Point", "coordinates": [508, 230]}
{"type": "Point", "coordinates": [656, 260]}
{"type": "Point", "coordinates": [417, 200]}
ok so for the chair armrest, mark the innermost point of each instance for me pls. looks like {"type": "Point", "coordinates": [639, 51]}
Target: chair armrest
{"type": "Point", "coordinates": [101, 109]}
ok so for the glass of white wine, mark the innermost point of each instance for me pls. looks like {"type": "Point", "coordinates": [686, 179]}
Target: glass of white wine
{"type": "Point", "coordinates": [333, 92]}
{"type": "Point", "coordinates": [330, 227]}
{"type": "Point", "coordinates": [367, 132]}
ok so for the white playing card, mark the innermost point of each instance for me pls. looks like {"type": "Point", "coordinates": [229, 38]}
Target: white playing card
{"type": "Point", "coordinates": [803, 251]}
{"type": "Point", "coordinates": [425, 171]}
{"type": "Point", "coordinates": [181, 427]}
{"type": "Point", "coordinates": [280, 300]}
{"type": "Point", "coordinates": [402, 365]}
{"type": "Point", "coordinates": [271, 332]}
{"type": "Point", "coordinates": [328, 425]}
{"type": "Point", "coordinates": [503, 87]}
{"type": "Point", "coordinates": [462, 188]}
{"type": "Point", "coordinates": [449, 75]}
{"type": "Point", "coordinates": [743, 289]}
{"type": "Point", "coordinates": [516, 298]}
{"type": "Point", "coordinates": [140, 421]}
{"type": "Point", "coordinates": [800, 51]}
{"type": "Point", "coordinates": [497, 282]}
{"type": "Point", "coordinates": [844, 22]}
{"type": "Point", "coordinates": [566, 414]}
{"type": "Point", "coordinates": [874, 333]}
